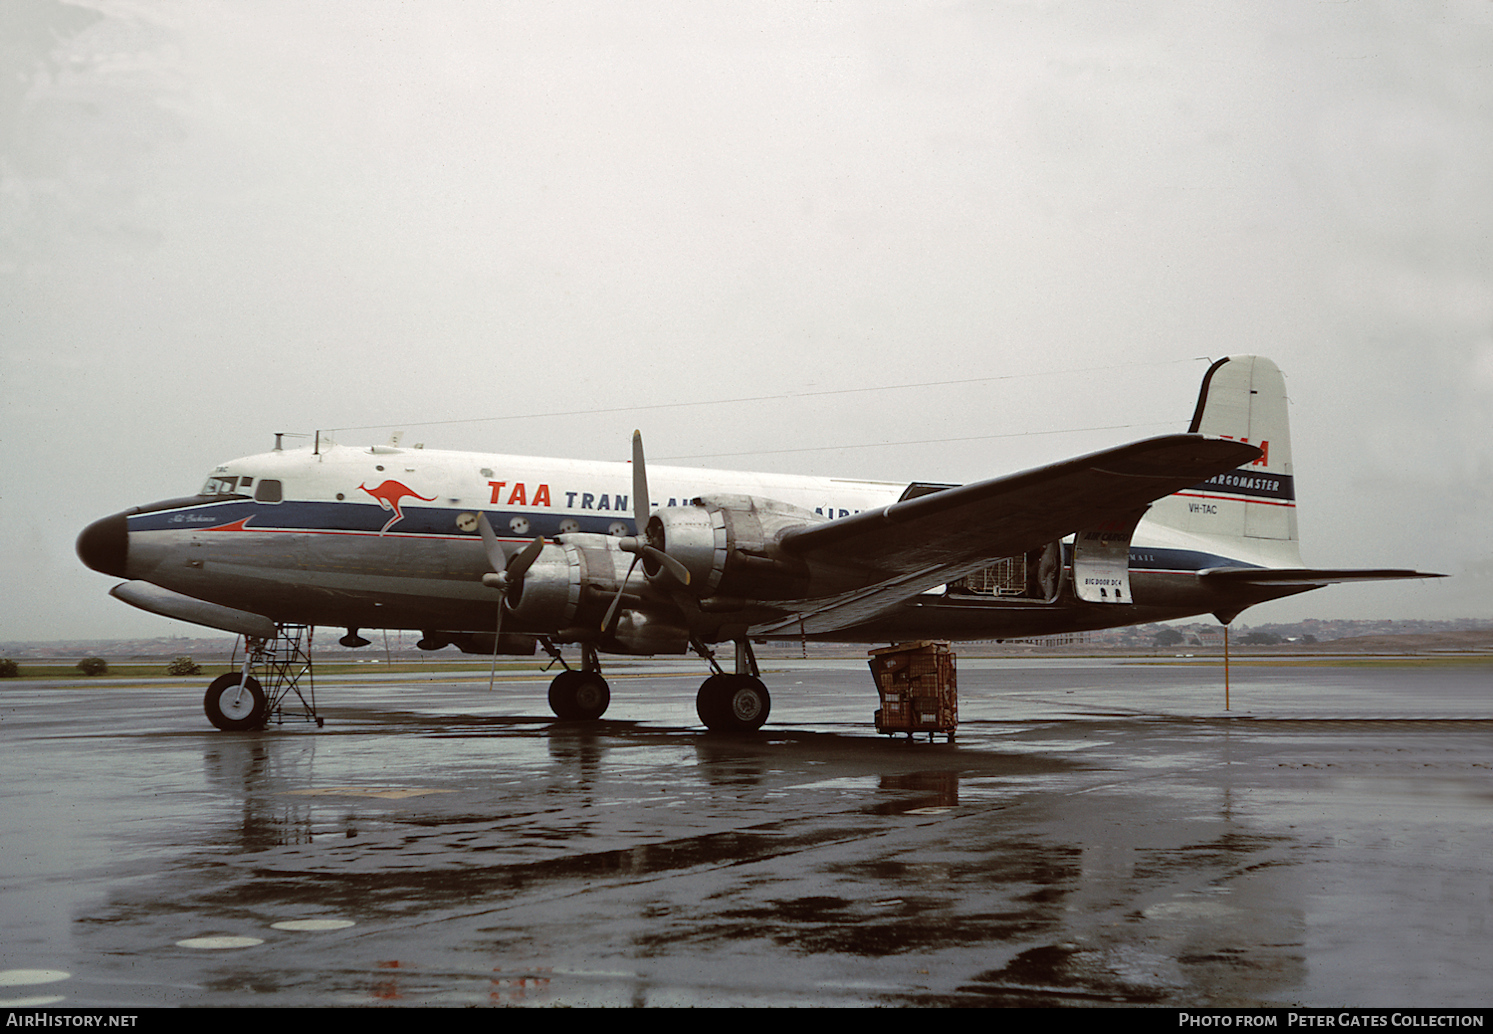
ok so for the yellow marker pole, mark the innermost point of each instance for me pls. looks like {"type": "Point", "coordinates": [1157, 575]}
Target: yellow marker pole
{"type": "Point", "coordinates": [1225, 667]}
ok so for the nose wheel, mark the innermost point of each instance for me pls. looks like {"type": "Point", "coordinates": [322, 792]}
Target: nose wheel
{"type": "Point", "coordinates": [235, 704]}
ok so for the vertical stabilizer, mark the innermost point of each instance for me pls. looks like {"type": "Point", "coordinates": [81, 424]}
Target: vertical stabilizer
{"type": "Point", "coordinates": [1249, 512]}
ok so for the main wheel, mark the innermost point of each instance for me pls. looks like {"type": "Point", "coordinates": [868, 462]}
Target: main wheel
{"type": "Point", "coordinates": [710, 702]}
{"type": "Point", "coordinates": [233, 708]}
{"type": "Point", "coordinates": [579, 696]}
{"type": "Point", "coordinates": [733, 703]}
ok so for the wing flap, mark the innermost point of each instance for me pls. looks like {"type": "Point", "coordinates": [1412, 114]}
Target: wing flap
{"type": "Point", "coordinates": [851, 608]}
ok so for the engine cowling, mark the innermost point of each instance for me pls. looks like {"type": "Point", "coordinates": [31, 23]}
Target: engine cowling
{"type": "Point", "coordinates": [729, 544]}
{"type": "Point", "coordinates": [568, 589]}
{"type": "Point", "coordinates": [550, 593]}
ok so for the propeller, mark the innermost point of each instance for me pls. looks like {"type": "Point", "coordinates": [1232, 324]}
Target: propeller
{"type": "Point", "coordinates": [638, 545]}
{"type": "Point", "coordinates": [506, 574]}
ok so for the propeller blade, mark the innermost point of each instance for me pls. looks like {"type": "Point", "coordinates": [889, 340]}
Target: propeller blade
{"type": "Point", "coordinates": [497, 637]}
{"type": "Point", "coordinates": [506, 570]}
{"type": "Point", "coordinates": [638, 545]}
{"type": "Point", "coordinates": [525, 559]}
{"type": "Point", "coordinates": [500, 577]}
{"type": "Point", "coordinates": [495, 555]}
{"type": "Point", "coordinates": [606, 622]}
{"type": "Point", "coordinates": [640, 498]}
{"type": "Point", "coordinates": [674, 567]}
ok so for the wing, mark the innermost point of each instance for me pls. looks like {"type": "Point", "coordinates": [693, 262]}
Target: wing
{"type": "Point", "coordinates": [913, 545]}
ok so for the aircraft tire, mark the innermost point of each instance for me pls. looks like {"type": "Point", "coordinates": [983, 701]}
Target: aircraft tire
{"type": "Point", "coordinates": [709, 702]}
{"type": "Point", "coordinates": [733, 703]}
{"type": "Point", "coordinates": [232, 711]}
{"type": "Point", "coordinates": [579, 696]}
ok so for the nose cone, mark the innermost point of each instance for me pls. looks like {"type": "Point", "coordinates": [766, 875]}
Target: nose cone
{"type": "Point", "coordinates": [104, 545]}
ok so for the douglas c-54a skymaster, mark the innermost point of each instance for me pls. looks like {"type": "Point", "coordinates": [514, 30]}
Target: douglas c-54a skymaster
{"type": "Point", "coordinates": [499, 553]}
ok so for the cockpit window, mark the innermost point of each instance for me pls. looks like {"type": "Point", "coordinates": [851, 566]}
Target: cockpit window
{"type": "Point", "coordinates": [267, 491]}
{"type": "Point", "coordinates": [220, 485]}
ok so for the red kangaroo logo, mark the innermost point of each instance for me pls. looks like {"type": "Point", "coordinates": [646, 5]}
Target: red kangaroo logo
{"type": "Point", "coordinates": [389, 494]}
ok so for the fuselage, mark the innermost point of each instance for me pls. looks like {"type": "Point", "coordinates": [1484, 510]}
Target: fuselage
{"type": "Point", "coordinates": [385, 537]}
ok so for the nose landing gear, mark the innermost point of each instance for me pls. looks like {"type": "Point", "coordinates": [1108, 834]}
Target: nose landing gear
{"type": "Point", "coordinates": [238, 702]}
{"type": "Point", "coordinates": [234, 703]}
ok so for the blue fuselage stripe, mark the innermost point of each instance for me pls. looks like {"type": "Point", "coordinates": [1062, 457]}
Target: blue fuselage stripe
{"type": "Point", "coordinates": [319, 517]}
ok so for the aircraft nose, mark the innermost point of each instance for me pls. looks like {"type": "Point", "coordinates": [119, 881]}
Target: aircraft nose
{"type": "Point", "coordinates": [104, 545]}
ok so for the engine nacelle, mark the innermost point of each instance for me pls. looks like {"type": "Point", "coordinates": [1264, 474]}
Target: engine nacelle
{"type": "Point", "coordinates": [729, 544]}
{"type": "Point", "coordinates": [549, 596]}
{"type": "Point", "coordinates": [570, 585]}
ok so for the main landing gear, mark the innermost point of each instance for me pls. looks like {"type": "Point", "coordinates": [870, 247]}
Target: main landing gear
{"type": "Point", "coordinates": [578, 696]}
{"type": "Point", "coordinates": [737, 703]}
{"type": "Point", "coordinates": [727, 703]}
{"type": "Point", "coordinates": [238, 702]}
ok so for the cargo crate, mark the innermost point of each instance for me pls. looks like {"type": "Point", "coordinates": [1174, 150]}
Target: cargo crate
{"type": "Point", "coordinates": [918, 688]}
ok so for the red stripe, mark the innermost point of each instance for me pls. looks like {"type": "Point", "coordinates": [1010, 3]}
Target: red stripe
{"type": "Point", "coordinates": [240, 526]}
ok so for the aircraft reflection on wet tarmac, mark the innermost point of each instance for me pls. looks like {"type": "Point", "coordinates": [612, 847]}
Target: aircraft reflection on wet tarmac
{"type": "Point", "coordinates": [1098, 833]}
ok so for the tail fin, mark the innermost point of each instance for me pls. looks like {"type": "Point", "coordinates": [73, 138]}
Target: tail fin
{"type": "Point", "coordinates": [1251, 510]}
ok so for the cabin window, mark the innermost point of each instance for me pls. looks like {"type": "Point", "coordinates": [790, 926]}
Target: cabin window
{"type": "Point", "coordinates": [268, 491]}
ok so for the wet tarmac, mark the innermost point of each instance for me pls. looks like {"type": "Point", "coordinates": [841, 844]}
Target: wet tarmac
{"type": "Point", "coordinates": [1100, 833]}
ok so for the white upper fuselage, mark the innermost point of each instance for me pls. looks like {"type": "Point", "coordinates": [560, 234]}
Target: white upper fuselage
{"type": "Point", "coordinates": [524, 495]}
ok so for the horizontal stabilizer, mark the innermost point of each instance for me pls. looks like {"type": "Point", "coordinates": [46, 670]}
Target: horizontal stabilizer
{"type": "Point", "coordinates": [1304, 576]}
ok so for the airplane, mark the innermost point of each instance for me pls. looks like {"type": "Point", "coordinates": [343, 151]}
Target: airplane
{"type": "Point", "coordinates": [496, 553]}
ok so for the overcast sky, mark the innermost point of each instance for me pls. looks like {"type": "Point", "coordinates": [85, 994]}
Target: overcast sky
{"type": "Point", "coordinates": [219, 220]}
